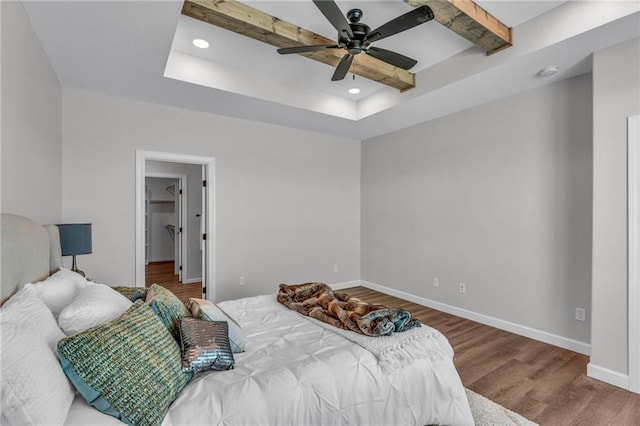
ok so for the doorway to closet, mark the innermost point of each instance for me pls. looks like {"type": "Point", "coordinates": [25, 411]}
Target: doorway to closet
{"type": "Point", "coordinates": [174, 217]}
{"type": "Point", "coordinates": [169, 241]}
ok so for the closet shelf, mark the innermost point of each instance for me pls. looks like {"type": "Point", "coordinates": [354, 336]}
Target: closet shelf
{"type": "Point", "coordinates": [162, 201]}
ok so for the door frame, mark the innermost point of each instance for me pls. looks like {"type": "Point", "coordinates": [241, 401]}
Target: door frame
{"type": "Point", "coordinates": [181, 213]}
{"type": "Point", "coordinates": [633, 252]}
{"type": "Point", "coordinates": [208, 273]}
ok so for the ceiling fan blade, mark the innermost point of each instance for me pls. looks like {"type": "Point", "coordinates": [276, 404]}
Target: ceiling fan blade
{"type": "Point", "coordinates": [410, 19]}
{"type": "Point", "coordinates": [393, 58]}
{"type": "Point", "coordinates": [332, 12]}
{"type": "Point", "coordinates": [303, 49]}
{"type": "Point", "coordinates": [343, 67]}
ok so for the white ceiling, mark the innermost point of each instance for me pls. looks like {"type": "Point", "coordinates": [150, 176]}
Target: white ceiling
{"type": "Point", "coordinates": [429, 43]}
{"type": "Point", "coordinates": [143, 50]}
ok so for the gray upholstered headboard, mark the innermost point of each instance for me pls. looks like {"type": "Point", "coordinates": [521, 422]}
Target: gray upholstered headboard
{"type": "Point", "coordinates": [29, 252]}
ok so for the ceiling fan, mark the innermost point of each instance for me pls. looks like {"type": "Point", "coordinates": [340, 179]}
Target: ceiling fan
{"type": "Point", "coordinates": [356, 37]}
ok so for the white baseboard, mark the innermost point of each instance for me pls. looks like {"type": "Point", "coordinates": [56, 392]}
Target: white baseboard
{"type": "Point", "coordinates": [191, 280]}
{"type": "Point", "coordinates": [162, 260]}
{"type": "Point", "coordinates": [532, 333]}
{"type": "Point", "coordinates": [346, 284]}
{"type": "Point", "coordinates": [608, 376]}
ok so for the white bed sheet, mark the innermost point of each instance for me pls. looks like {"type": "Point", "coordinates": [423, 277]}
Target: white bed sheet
{"type": "Point", "coordinates": [295, 372]}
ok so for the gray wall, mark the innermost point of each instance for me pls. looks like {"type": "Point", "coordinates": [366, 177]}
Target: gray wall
{"type": "Point", "coordinates": [616, 94]}
{"type": "Point", "coordinates": [287, 201]}
{"type": "Point", "coordinates": [31, 122]}
{"type": "Point", "coordinates": [435, 201]}
{"type": "Point", "coordinates": [193, 266]}
{"type": "Point", "coordinates": [498, 197]}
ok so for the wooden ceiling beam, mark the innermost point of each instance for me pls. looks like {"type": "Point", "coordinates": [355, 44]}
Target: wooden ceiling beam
{"type": "Point", "coordinates": [246, 20]}
{"type": "Point", "coordinates": [471, 21]}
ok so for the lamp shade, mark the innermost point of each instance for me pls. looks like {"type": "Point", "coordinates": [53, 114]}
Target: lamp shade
{"type": "Point", "coordinates": [75, 238]}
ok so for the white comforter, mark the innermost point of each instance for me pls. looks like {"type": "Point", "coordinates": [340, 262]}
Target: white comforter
{"type": "Point", "coordinates": [296, 372]}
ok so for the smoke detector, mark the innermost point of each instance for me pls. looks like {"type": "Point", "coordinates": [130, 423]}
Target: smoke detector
{"type": "Point", "coordinates": [548, 71]}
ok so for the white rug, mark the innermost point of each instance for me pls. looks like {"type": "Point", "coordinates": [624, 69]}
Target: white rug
{"type": "Point", "coordinates": [488, 413]}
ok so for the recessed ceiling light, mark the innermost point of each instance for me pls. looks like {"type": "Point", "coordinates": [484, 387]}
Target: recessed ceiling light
{"type": "Point", "coordinates": [548, 71]}
{"type": "Point", "coordinates": [202, 44]}
{"type": "Point", "coordinates": [354, 90]}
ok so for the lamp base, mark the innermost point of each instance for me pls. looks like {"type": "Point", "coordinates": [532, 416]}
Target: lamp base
{"type": "Point", "coordinates": [74, 267]}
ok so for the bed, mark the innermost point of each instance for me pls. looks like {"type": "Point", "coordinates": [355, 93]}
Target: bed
{"type": "Point", "coordinates": [294, 371]}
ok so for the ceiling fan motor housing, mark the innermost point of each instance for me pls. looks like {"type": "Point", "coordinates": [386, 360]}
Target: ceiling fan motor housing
{"type": "Point", "coordinates": [360, 31]}
{"type": "Point", "coordinates": [356, 45]}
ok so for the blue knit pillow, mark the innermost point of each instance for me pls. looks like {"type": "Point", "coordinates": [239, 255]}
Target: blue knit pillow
{"type": "Point", "coordinates": [168, 307]}
{"type": "Point", "coordinates": [129, 368]}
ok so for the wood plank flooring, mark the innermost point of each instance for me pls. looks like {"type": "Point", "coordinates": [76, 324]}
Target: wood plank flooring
{"type": "Point", "coordinates": [161, 273]}
{"type": "Point", "coordinates": [542, 382]}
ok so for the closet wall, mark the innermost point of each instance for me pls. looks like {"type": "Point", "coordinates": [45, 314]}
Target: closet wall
{"type": "Point", "coordinates": [162, 218]}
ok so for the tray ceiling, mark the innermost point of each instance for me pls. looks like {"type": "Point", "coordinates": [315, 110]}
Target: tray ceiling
{"type": "Point", "coordinates": [143, 50]}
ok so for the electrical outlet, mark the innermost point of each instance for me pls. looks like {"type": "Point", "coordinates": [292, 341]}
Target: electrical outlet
{"type": "Point", "coordinates": [241, 280]}
{"type": "Point", "coordinates": [462, 288]}
{"type": "Point", "coordinates": [436, 282]}
{"type": "Point", "coordinates": [581, 314]}
{"type": "Point", "coordinates": [335, 268]}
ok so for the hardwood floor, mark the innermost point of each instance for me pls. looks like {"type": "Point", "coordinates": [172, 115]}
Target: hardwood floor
{"type": "Point", "coordinates": [544, 383]}
{"type": "Point", "coordinates": [161, 273]}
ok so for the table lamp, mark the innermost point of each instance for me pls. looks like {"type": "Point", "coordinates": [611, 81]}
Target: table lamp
{"type": "Point", "coordinates": [75, 239]}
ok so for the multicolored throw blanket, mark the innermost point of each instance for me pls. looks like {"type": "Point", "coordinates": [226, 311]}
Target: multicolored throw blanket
{"type": "Point", "coordinates": [319, 301]}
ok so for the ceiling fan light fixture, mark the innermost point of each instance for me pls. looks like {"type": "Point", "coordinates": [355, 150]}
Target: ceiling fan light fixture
{"type": "Point", "coordinates": [200, 43]}
{"type": "Point", "coordinates": [354, 90]}
{"type": "Point", "coordinates": [548, 71]}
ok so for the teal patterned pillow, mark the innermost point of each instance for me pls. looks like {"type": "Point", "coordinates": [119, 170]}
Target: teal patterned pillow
{"type": "Point", "coordinates": [132, 293]}
{"type": "Point", "coordinates": [129, 368]}
{"type": "Point", "coordinates": [168, 307]}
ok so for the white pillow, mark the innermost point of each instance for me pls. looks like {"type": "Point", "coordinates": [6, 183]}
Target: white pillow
{"type": "Point", "coordinates": [94, 305]}
{"type": "Point", "coordinates": [34, 389]}
{"type": "Point", "coordinates": [58, 290]}
{"type": "Point", "coordinates": [209, 311]}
